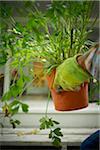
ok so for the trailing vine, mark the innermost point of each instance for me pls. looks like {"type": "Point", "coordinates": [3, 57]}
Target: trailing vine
{"type": "Point", "coordinates": [55, 133]}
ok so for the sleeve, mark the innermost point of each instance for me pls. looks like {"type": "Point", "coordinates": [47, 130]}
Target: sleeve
{"type": "Point", "coordinates": [94, 69]}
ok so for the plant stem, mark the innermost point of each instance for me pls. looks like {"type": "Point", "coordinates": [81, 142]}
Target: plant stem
{"type": "Point", "coordinates": [71, 38]}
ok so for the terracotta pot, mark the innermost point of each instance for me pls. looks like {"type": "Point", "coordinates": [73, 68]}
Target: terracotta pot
{"type": "Point", "coordinates": [68, 100]}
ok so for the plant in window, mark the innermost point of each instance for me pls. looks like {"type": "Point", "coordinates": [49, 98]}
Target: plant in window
{"type": "Point", "coordinates": [61, 33]}
{"type": "Point", "coordinates": [19, 49]}
{"type": "Point", "coordinates": [52, 36]}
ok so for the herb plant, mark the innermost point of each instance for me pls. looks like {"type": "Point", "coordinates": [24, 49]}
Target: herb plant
{"type": "Point", "coordinates": [51, 36]}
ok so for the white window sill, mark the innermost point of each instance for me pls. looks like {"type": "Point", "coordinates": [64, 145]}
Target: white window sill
{"type": "Point", "coordinates": [37, 104]}
{"type": "Point", "coordinates": [76, 125]}
{"type": "Point", "coordinates": [88, 117]}
{"type": "Point", "coordinates": [71, 137]}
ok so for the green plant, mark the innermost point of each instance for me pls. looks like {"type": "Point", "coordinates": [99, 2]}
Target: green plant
{"type": "Point", "coordinates": [55, 133]}
{"type": "Point", "coordinates": [17, 45]}
{"type": "Point", "coordinates": [51, 36]}
{"type": "Point", "coordinates": [64, 31]}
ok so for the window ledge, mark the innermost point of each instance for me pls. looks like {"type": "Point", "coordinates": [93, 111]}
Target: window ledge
{"type": "Point", "coordinates": [88, 117]}
{"type": "Point", "coordinates": [24, 137]}
{"type": "Point", "coordinates": [38, 105]}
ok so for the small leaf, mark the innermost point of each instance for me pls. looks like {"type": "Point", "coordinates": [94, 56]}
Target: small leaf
{"type": "Point", "coordinates": [17, 122]}
{"type": "Point", "coordinates": [14, 90]}
{"type": "Point", "coordinates": [14, 110]}
{"type": "Point", "coordinates": [6, 96]}
{"type": "Point", "coordinates": [55, 122]}
{"type": "Point", "coordinates": [14, 107]}
{"type": "Point", "coordinates": [56, 141]}
{"type": "Point", "coordinates": [42, 126]}
{"type": "Point", "coordinates": [47, 124]}
{"type": "Point", "coordinates": [13, 123]}
{"type": "Point", "coordinates": [50, 134]}
{"type": "Point", "coordinates": [42, 119]}
{"type": "Point", "coordinates": [20, 82]}
{"type": "Point", "coordinates": [57, 132]}
{"type": "Point", "coordinates": [24, 107]}
{"type": "Point", "coordinates": [42, 123]}
{"type": "Point", "coordinates": [51, 122]}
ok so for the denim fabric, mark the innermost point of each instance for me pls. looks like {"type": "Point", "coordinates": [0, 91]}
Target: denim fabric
{"type": "Point", "coordinates": [92, 142]}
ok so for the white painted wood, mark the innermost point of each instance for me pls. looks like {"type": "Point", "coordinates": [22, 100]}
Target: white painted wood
{"type": "Point", "coordinates": [25, 136]}
{"type": "Point", "coordinates": [37, 104]}
{"type": "Point", "coordinates": [7, 76]}
{"type": "Point", "coordinates": [85, 118]}
{"type": "Point", "coordinates": [67, 131]}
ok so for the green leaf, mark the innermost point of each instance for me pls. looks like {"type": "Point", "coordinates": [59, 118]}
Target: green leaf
{"type": "Point", "coordinates": [20, 82]}
{"type": "Point", "coordinates": [14, 107]}
{"type": "Point", "coordinates": [58, 132]}
{"type": "Point", "coordinates": [25, 107]}
{"type": "Point", "coordinates": [47, 124]}
{"type": "Point", "coordinates": [50, 134]}
{"type": "Point", "coordinates": [14, 90]}
{"type": "Point", "coordinates": [42, 119]}
{"type": "Point", "coordinates": [44, 123]}
{"type": "Point", "coordinates": [56, 141]}
{"type": "Point", "coordinates": [6, 96]}
{"type": "Point", "coordinates": [17, 122]}
{"type": "Point", "coordinates": [98, 102]}
{"type": "Point", "coordinates": [42, 126]}
{"type": "Point", "coordinates": [51, 122]}
{"type": "Point", "coordinates": [55, 122]}
{"type": "Point", "coordinates": [14, 123]}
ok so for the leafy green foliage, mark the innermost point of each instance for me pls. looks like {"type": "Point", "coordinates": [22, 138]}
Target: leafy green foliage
{"type": "Point", "coordinates": [6, 96]}
{"type": "Point", "coordinates": [55, 132]}
{"type": "Point", "coordinates": [50, 36]}
{"type": "Point", "coordinates": [55, 136]}
{"type": "Point", "coordinates": [47, 123]}
{"type": "Point", "coordinates": [14, 123]}
{"type": "Point", "coordinates": [13, 92]}
{"type": "Point", "coordinates": [24, 107]}
{"type": "Point", "coordinates": [13, 107]}
{"type": "Point", "coordinates": [98, 102]}
{"type": "Point", "coordinates": [3, 57]}
{"type": "Point", "coordinates": [64, 31]}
